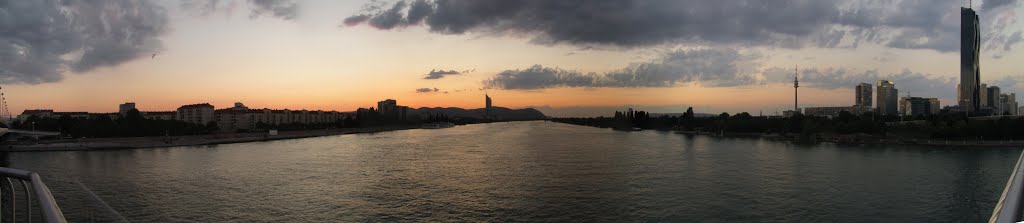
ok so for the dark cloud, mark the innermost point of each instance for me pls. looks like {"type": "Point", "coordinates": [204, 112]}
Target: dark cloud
{"type": "Point", "coordinates": [912, 24]}
{"type": "Point", "coordinates": [389, 18]}
{"type": "Point", "coordinates": [717, 68]}
{"type": "Point", "coordinates": [993, 4]}
{"type": "Point", "coordinates": [710, 67]}
{"type": "Point", "coordinates": [39, 40]}
{"type": "Point", "coordinates": [418, 10]}
{"type": "Point", "coordinates": [438, 74]}
{"type": "Point", "coordinates": [283, 9]}
{"type": "Point", "coordinates": [205, 7]}
{"type": "Point", "coordinates": [356, 19]}
{"type": "Point", "coordinates": [395, 16]}
{"type": "Point", "coordinates": [427, 90]}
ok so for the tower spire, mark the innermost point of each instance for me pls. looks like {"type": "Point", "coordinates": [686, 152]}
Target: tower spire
{"type": "Point", "coordinates": [796, 84]}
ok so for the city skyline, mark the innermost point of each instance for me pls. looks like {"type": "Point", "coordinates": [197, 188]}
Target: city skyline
{"type": "Point", "coordinates": [511, 110]}
{"type": "Point", "coordinates": [317, 55]}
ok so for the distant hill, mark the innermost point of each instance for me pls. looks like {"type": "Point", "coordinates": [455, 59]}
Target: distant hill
{"type": "Point", "coordinates": [498, 113]}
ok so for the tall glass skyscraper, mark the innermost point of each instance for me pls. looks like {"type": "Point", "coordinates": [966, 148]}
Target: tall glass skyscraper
{"type": "Point", "coordinates": [970, 71]}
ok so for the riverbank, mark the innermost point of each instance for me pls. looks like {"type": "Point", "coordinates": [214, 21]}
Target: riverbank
{"type": "Point", "coordinates": [192, 140]}
{"type": "Point", "coordinates": [855, 139]}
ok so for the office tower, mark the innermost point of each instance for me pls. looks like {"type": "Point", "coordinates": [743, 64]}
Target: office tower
{"type": "Point", "coordinates": [1011, 103]}
{"type": "Point", "coordinates": [487, 106]}
{"type": "Point", "coordinates": [983, 96]}
{"type": "Point", "coordinates": [903, 103]}
{"type": "Point", "coordinates": [993, 99]}
{"type": "Point", "coordinates": [1003, 101]}
{"type": "Point", "coordinates": [934, 102]}
{"type": "Point", "coordinates": [1007, 104]}
{"type": "Point", "coordinates": [970, 74]}
{"type": "Point", "coordinates": [487, 101]}
{"type": "Point", "coordinates": [920, 106]}
{"type": "Point", "coordinates": [887, 98]}
{"type": "Point", "coordinates": [863, 97]}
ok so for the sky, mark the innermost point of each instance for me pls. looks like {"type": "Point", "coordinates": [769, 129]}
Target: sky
{"type": "Point", "coordinates": [565, 58]}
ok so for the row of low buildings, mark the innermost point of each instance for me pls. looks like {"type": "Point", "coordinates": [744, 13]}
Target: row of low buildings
{"type": "Point", "coordinates": [235, 118]}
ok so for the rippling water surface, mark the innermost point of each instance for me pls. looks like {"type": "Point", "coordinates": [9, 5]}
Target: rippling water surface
{"type": "Point", "coordinates": [525, 171]}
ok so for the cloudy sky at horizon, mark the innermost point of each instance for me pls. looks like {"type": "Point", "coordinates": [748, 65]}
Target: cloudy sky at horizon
{"type": "Point", "coordinates": [566, 58]}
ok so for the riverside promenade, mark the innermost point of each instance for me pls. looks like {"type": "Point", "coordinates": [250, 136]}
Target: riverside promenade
{"type": "Point", "coordinates": [189, 140]}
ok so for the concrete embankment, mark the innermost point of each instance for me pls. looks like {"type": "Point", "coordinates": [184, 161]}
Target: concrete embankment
{"type": "Point", "coordinates": [192, 140]}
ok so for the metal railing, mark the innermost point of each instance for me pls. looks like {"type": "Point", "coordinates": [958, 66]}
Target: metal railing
{"type": "Point", "coordinates": [33, 187]}
{"type": "Point", "coordinates": [1008, 209]}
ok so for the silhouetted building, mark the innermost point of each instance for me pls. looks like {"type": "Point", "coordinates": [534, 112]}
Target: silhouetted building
{"type": "Point", "coordinates": [789, 113]}
{"type": "Point", "coordinates": [124, 108]}
{"type": "Point", "coordinates": [200, 114]}
{"type": "Point", "coordinates": [159, 115]}
{"type": "Point", "coordinates": [487, 101]}
{"type": "Point", "coordinates": [970, 70]}
{"type": "Point", "coordinates": [903, 105]}
{"type": "Point", "coordinates": [983, 97]}
{"type": "Point", "coordinates": [919, 106]}
{"type": "Point", "coordinates": [239, 107]}
{"type": "Point", "coordinates": [863, 100]}
{"type": "Point", "coordinates": [1007, 104]}
{"type": "Point", "coordinates": [387, 105]}
{"type": "Point", "coordinates": [487, 106]}
{"type": "Point", "coordinates": [235, 118]}
{"type": "Point", "coordinates": [934, 102]}
{"type": "Point", "coordinates": [994, 101]}
{"type": "Point", "coordinates": [390, 111]}
{"type": "Point", "coordinates": [1012, 104]}
{"type": "Point", "coordinates": [887, 98]}
{"type": "Point", "coordinates": [39, 113]}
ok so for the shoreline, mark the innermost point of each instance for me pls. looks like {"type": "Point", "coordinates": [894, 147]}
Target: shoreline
{"type": "Point", "coordinates": [854, 140]}
{"type": "Point", "coordinates": [189, 140]}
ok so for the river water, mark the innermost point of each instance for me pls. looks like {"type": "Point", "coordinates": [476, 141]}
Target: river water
{"type": "Point", "coordinates": [525, 171]}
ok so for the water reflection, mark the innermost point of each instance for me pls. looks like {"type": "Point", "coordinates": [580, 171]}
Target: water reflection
{"type": "Point", "coordinates": [527, 171]}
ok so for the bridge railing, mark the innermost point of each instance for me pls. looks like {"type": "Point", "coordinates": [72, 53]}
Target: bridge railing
{"type": "Point", "coordinates": [1008, 209]}
{"type": "Point", "coordinates": [31, 186]}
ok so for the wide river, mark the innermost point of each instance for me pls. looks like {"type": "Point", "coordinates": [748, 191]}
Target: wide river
{"type": "Point", "coordinates": [525, 171]}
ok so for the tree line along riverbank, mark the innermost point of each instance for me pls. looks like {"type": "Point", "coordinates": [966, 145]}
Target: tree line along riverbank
{"type": "Point", "coordinates": [954, 129]}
